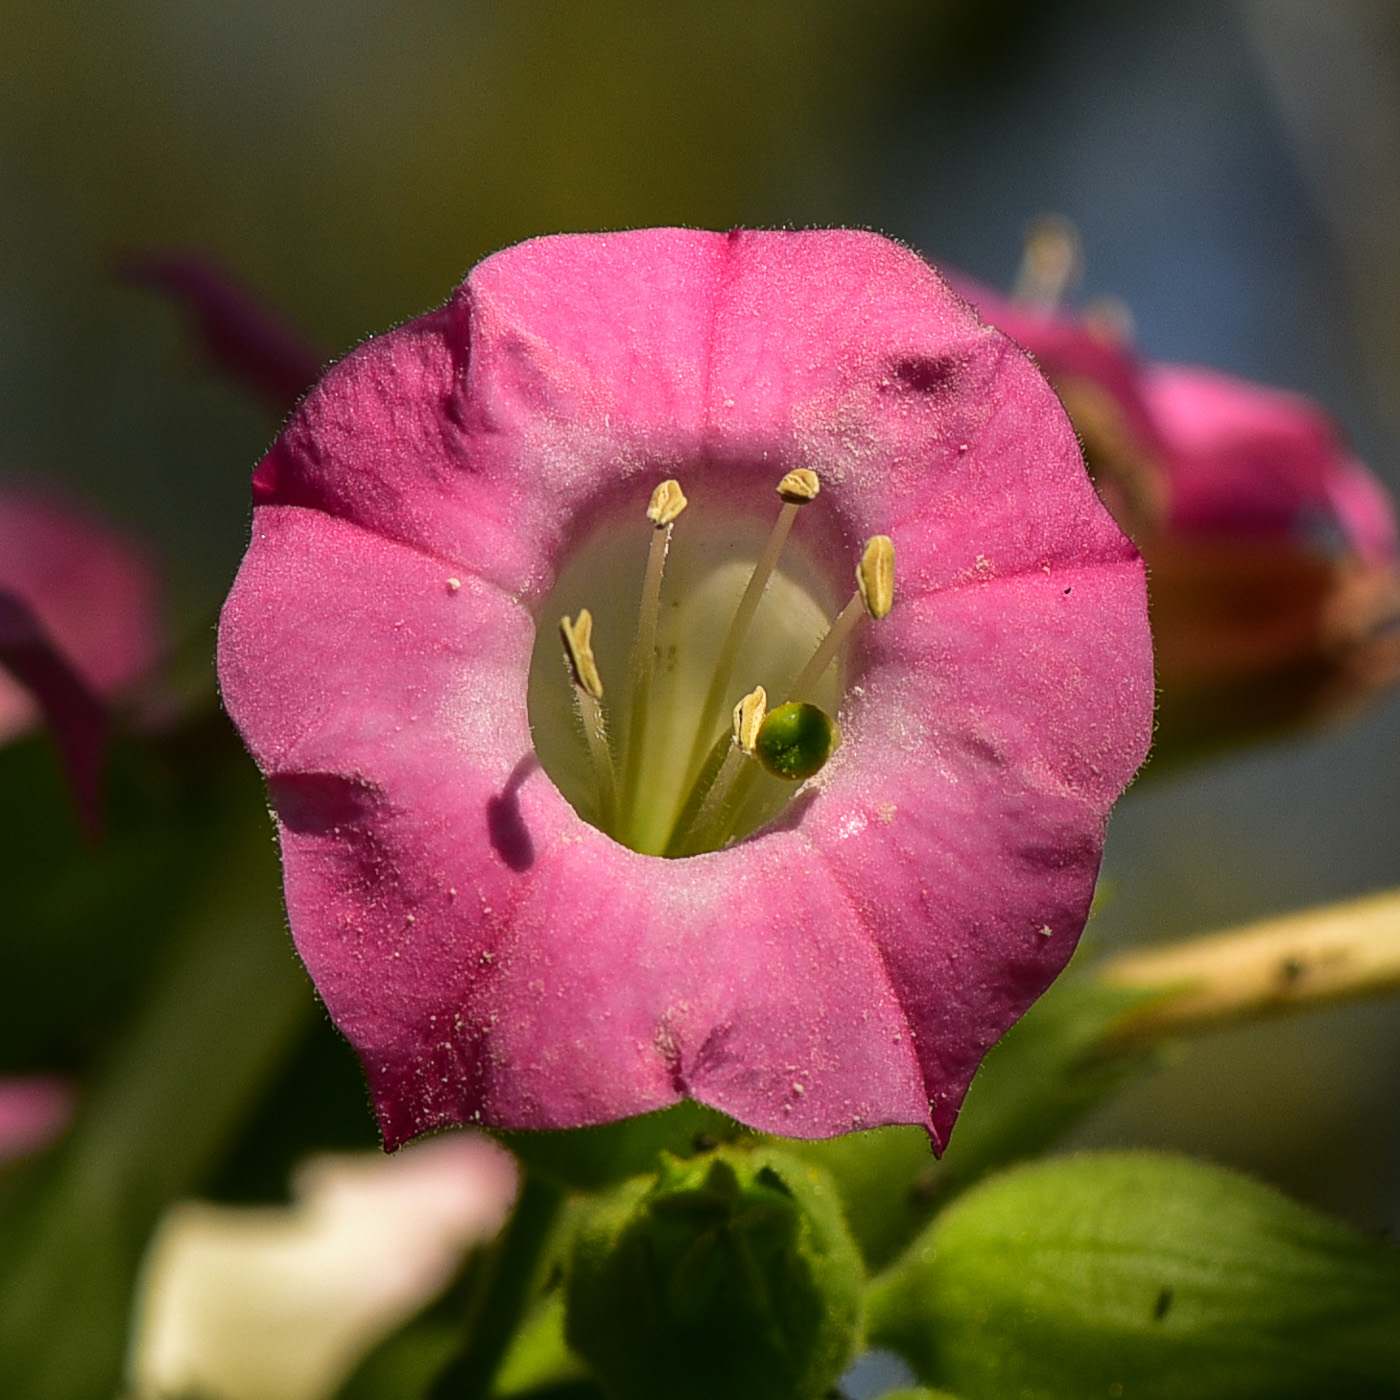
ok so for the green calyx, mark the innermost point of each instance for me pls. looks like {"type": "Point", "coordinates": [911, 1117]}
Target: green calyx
{"type": "Point", "coordinates": [730, 1274]}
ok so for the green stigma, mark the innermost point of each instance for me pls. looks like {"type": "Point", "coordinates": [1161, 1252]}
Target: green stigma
{"type": "Point", "coordinates": [795, 740]}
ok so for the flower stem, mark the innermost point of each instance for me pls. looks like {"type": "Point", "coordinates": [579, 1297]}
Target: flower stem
{"type": "Point", "coordinates": [1337, 953]}
{"type": "Point", "coordinates": [506, 1280]}
{"type": "Point", "coordinates": [739, 629]}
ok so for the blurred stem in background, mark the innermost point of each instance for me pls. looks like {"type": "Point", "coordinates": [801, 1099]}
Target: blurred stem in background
{"type": "Point", "coordinates": [1314, 958]}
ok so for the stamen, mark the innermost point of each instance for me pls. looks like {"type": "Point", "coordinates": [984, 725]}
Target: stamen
{"type": "Point", "coordinates": [796, 489]}
{"type": "Point", "coordinates": [708, 807]}
{"type": "Point", "coordinates": [749, 715]}
{"type": "Point", "coordinates": [874, 595]}
{"type": "Point", "coordinates": [667, 502]}
{"type": "Point", "coordinates": [588, 692]}
{"type": "Point", "coordinates": [875, 576]}
{"type": "Point", "coordinates": [578, 651]}
{"type": "Point", "coordinates": [1050, 263]}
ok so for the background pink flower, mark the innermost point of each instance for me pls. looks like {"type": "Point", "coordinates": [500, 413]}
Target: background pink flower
{"type": "Point", "coordinates": [34, 1110]}
{"type": "Point", "coordinates": [78, 626]}
{"type": "Point", "coordinates": [93, 591]}
{"type": "Point", "coordinates": [1272, 551]}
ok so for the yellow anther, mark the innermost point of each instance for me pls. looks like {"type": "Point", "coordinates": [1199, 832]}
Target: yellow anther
{"type": "Point", "coordinates": [578, 647]}
{"type": "Point", "coordinates": [667, 502]}
{"type": "Point", "coordinates": [800, 486]}
{"type": "Point", "coordinates": [875, 575]}
{"type": "Point", "coordinates": [748, 718]}
{"type": "Point", "coordinates": [1051, 262]}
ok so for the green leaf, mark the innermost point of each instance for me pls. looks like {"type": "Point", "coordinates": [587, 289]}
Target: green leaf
{"type": "Point", "coordinates": [220, 1015]}
{"type": "Point", "coordinates": [1040, 1079]}
{"type": "Point", "coordinates": [1145, 1276]}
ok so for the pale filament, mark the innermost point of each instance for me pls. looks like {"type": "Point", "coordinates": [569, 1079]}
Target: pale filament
{"type": "Point", "coordinates": [667, 502]}
{"type": "Point", "coordinates": [797, 488]}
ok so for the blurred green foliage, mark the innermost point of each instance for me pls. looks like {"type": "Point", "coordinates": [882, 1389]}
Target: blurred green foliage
{"type": "Point", "coordinates": [206, 1002]}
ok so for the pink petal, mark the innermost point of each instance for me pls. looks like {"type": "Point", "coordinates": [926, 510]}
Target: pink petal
{"type": "Point", "coordinates": [1249, 460]}
{"type": "Point", "coordinates": [1069, 347]}
{"type": "Point", "coordinates": [34, 1110]}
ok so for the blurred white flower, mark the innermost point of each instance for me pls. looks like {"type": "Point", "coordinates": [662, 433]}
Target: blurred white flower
{"type": "Point", "coordinates": [280, 1303]}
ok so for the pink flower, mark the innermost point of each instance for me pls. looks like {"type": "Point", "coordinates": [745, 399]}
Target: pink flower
{"type": "Point", "coordinates": [34, 1110]}
{"type": "Point", "coordinates": [78, 626]}
{"type": "Point", "coordinates": [496, 957]}
{"type": "Point", "coordinates": [1272, 552]}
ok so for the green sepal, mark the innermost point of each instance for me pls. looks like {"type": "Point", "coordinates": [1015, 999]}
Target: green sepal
{"type": "Point", "coordinates": [732, 1274]}
{"type": "Point", "coordinates": [881, 1176]}
{"type": "Point", "coordinates": [539, 1358]}
{"type": "Point", "coordinates": [591, 1159]}
{"type": "Point", "coordinates": [1142, 1275]}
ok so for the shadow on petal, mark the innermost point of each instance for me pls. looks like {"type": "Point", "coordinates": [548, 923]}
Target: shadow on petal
{"type": "Point", "coordinates": [509, 835]}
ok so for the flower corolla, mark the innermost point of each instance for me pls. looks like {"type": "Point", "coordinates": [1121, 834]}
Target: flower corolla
{"type": "Point", "coordinates": [476, 802]}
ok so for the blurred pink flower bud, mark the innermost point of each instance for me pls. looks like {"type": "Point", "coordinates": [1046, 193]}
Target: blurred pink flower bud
{"type": "Point", "coordinates": [34, 1110]}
